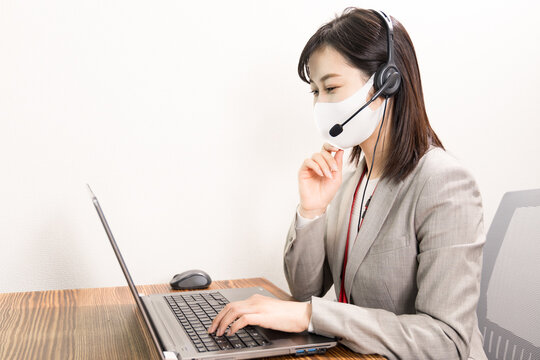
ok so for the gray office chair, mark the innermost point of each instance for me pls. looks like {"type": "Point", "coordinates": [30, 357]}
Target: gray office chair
{"type": "Point", "coordinates": [509, 304]}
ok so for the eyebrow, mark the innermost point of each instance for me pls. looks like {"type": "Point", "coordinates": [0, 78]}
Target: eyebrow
{"type": "Point", "coordinates": [325, 77]}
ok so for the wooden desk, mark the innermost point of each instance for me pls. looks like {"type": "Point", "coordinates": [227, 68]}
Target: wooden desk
{"type": "Point", "coordinates": [101, 323]}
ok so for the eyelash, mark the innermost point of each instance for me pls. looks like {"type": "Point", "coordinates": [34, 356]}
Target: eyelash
{"type": "Point", "coordinates": [327, 89]}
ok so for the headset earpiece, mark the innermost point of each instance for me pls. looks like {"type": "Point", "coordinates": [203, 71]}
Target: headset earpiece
{"type": "Point", "coordinates": [389, 68]}
{"type": "Point", "coordinates": [382, 75]}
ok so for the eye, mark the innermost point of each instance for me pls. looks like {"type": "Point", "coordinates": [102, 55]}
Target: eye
{"type": "Point", "coordinates": [328, 90]}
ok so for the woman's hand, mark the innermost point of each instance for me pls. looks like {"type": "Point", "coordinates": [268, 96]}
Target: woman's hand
{"type": "Point", "coordinates": [263, 311]}
{"type": "Point", "coordinates": [319, 179]}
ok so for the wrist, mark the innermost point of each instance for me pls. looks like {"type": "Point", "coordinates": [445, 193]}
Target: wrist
{"type": "Point", "coordinates": [307, 316]}
{"type": "Point", "coordinates": [310, 214]}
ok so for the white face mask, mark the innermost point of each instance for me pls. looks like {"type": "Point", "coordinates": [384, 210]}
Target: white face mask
{"type": "Point", "coordinates": [358, 129]}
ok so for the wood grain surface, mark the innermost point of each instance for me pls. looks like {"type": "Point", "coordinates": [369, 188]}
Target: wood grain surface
{"type": "Point", "coordinates": [101, 323]}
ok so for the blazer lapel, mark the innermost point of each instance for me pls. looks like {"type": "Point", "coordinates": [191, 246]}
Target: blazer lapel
{"type": "Point", "coordinates": [343, 219]}
{"type": "Point", "coordinates": [378, 210]}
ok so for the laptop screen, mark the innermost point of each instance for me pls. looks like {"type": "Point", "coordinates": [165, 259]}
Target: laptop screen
{"type": "Point", "coordinates": [130, 282]}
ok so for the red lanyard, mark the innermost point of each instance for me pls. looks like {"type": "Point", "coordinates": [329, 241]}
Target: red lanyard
{"type": "Point", "coordinates": [342, 296]}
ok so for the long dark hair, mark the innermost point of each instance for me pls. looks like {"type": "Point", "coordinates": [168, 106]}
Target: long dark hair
{"type": "Point", "coordinates": [360, 36]}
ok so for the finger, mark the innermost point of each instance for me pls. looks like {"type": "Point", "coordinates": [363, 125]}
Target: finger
{"type": "Point", "coordinates": [218, 318]}
{"type": "Point", "coordinates": [233, 314]}
{"type": "Point", "coordinates": [339, 159]}
{"type": "Point", "coordinates": [319, 159]}
{"type": "Point", "coordinates": [330, 160]}
{"type": "Point", "coordinates": [310, 164]}
{"type": "Point", "coordinates": [329, 147]}
{"type": "Point", "coordinates": [243, 321]}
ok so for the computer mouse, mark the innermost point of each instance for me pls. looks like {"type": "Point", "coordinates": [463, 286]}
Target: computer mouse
{"type": "Point", "coordinates": [190, 280]}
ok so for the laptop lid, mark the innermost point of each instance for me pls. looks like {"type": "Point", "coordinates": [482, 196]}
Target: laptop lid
{"type": "Point", "coordinates": [155, 339]}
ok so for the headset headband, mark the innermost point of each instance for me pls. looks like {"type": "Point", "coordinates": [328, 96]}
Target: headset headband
{"type": "Point", "coordinates": [390, 35]}
{"type": "Point", "coordinates": [388, 74]}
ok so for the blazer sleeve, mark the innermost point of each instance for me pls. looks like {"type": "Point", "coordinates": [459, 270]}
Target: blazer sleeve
{"type": "Point", "coordinates": [450, 236]}
{"type": "Point", "coordinates": [304, 260]}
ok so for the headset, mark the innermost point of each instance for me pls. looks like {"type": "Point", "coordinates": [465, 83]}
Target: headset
{"type": "Point", "coordinates": [387, 78]}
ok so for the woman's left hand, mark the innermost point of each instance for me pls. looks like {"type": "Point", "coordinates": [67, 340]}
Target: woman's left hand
{"type": "Point", "coordinates": [263, 311]}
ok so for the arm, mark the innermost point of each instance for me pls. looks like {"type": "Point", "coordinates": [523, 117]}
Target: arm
{"type": "Point", "coordinates": [305, 265]}
{"type": "Point", "coordinates": [304, 259]}
{"type": "Point", "coordinates": [450, 236]}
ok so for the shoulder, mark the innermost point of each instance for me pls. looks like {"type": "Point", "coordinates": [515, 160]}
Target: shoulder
{"type": "Point", "coordinates": [441, 178]}
{"type": "Point", "coordinates": [445, 194]}
{"type": "Point", "coordinates": [437, 165]}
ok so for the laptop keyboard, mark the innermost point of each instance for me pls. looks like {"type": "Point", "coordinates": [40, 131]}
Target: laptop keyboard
{"type": "Point", "coordinates": [196, 312]}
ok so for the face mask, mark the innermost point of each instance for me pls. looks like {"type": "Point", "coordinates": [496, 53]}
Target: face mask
{"type": "Point", "coordinates": [358, 129]}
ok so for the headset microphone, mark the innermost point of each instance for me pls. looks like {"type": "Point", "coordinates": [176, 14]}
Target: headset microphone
{"type": "Point", "coordinates": [338, 128]}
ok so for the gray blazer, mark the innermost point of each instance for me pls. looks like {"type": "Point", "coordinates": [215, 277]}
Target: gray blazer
{"type": "Point", "coordinates": [413, 274]}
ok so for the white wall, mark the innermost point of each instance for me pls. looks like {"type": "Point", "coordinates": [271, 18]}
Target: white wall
{"type": "Point", "coordinates": [190, 122]}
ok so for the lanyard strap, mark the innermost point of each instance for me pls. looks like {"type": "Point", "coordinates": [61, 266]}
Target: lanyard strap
{"type": "Point", "coordinates": [342, 296]}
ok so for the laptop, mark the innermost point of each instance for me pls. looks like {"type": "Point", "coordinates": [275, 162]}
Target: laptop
{"type": "Point", "coordinates": [178, 322]}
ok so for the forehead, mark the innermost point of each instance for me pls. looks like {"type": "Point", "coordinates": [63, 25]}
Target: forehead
{"type": "Point", "coordinates": [327, 60]}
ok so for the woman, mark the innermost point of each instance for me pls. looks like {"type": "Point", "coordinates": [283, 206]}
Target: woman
{"type": "Point", "coordinates": [406, 271]}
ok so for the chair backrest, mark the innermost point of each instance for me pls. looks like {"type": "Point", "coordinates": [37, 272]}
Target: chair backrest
{"type": "Point", "coordinates": [509, 304]}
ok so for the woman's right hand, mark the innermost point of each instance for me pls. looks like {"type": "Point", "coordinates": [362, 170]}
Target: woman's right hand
{"type": "Point", "coordinates": [319, 179]}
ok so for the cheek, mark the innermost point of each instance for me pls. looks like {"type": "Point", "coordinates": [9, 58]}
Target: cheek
{"type": "Point", "coordinates": [375, 104]}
